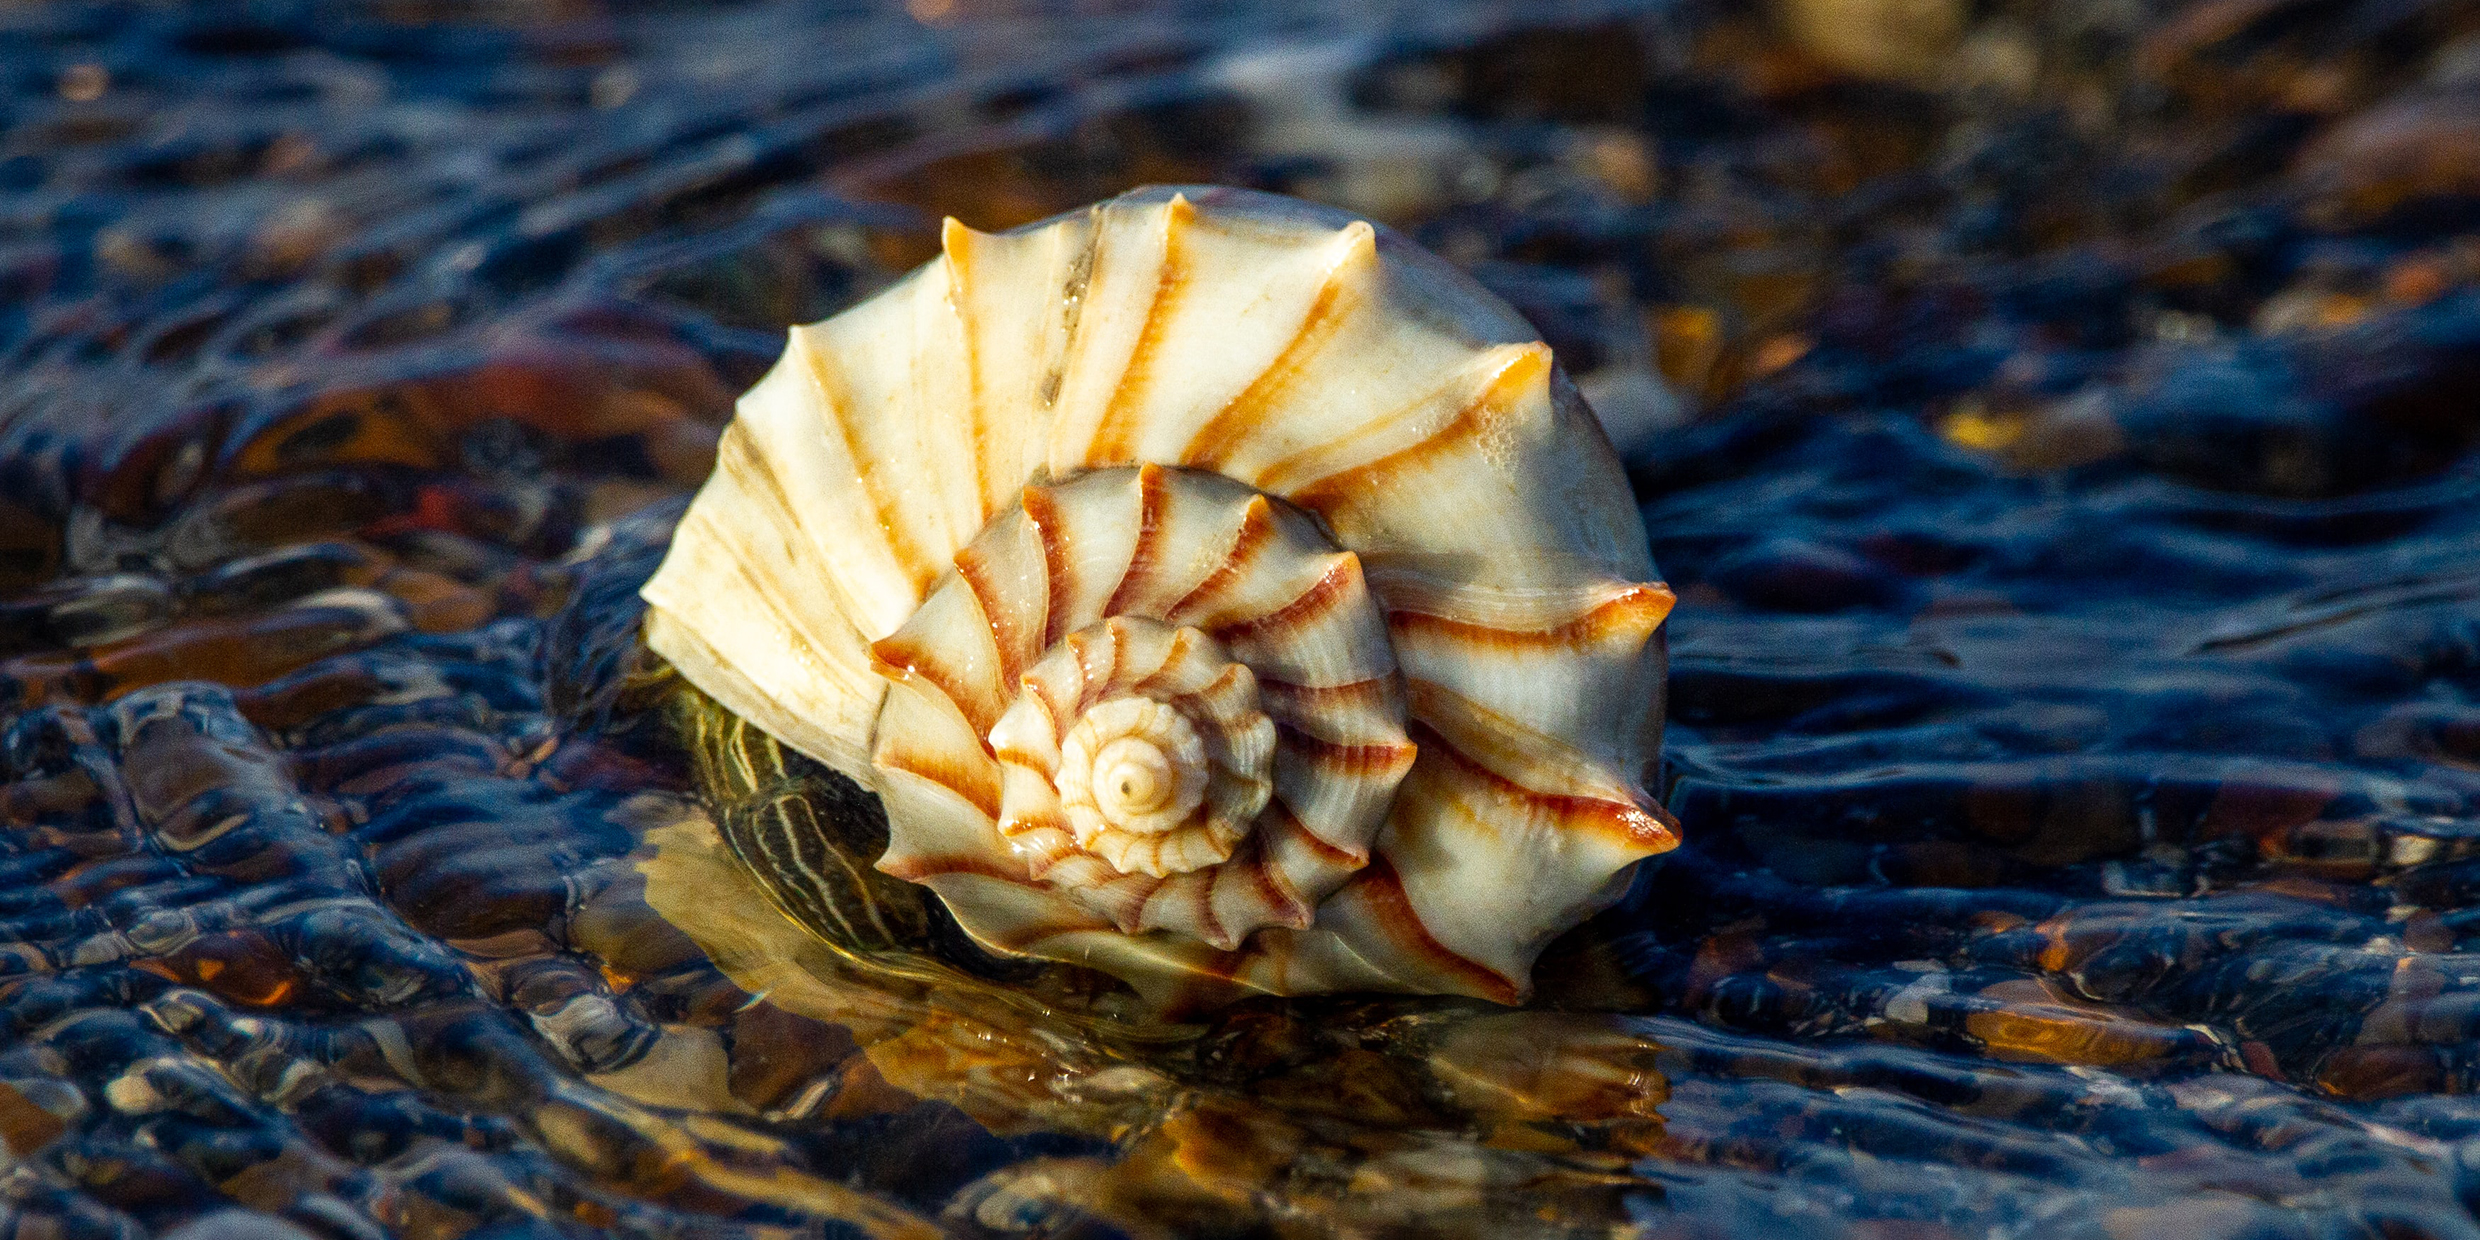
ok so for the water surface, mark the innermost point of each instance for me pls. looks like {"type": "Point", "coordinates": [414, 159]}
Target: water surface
{"type": "Point", "coordinates": [2055, 419]}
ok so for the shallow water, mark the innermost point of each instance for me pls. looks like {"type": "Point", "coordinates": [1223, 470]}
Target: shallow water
{"type": "Point", "coordinates": [2055, 421]}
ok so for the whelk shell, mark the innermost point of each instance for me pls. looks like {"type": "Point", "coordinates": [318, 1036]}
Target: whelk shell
{"type": "Point", "coordinates": [1216, 590]}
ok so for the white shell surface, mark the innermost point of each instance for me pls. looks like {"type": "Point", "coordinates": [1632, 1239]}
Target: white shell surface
{"type": "Point", "coordinates": [1166, 470]}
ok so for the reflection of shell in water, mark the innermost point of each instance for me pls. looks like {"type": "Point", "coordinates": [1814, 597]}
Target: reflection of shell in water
{"type": "Point", "coordinates": [1221, 594]}
{"type": "Point", "coordinates": [1528, 1109]}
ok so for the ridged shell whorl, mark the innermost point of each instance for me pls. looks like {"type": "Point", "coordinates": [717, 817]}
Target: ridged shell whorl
{"type": "Point", "coordinates": [1216, 591]}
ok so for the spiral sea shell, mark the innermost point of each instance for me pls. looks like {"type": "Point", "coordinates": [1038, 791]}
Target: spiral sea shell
{"type": "Point", "coordinates": [1216, 591]}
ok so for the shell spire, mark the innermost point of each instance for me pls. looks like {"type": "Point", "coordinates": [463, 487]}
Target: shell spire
{"type": "Point", "coordinates": [1216, 590]}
